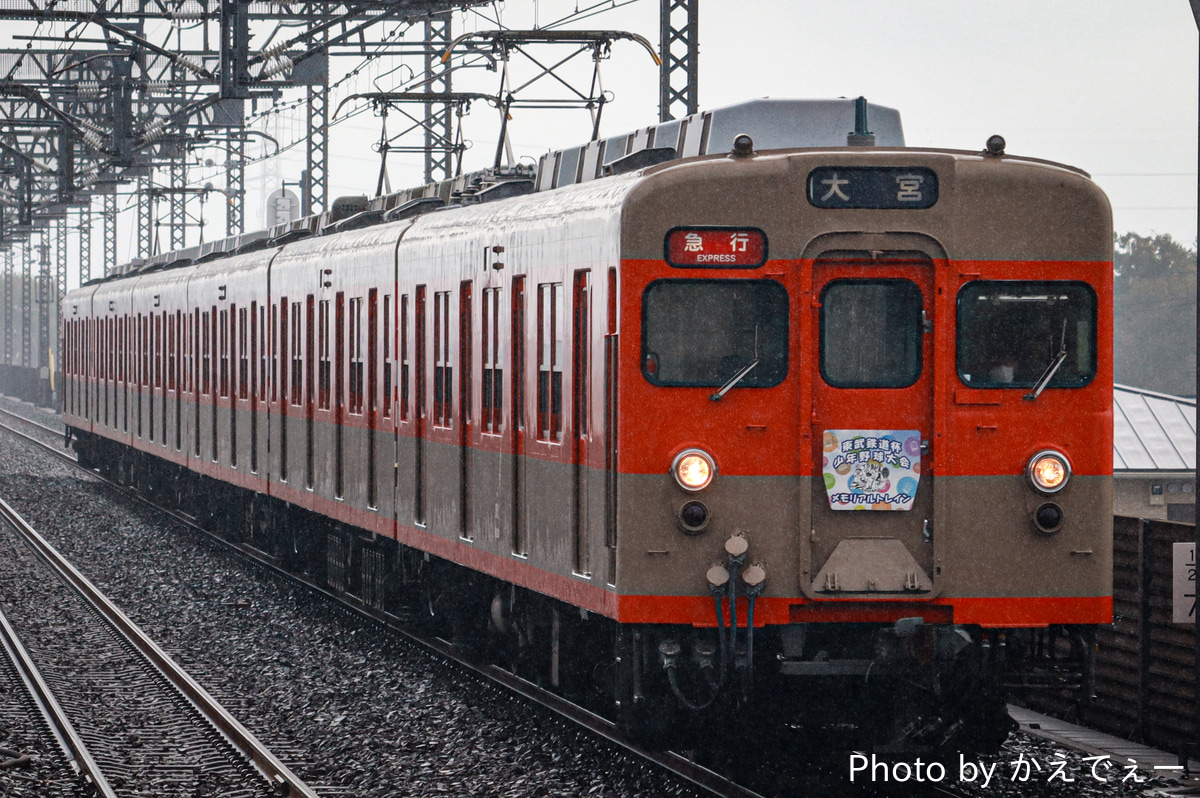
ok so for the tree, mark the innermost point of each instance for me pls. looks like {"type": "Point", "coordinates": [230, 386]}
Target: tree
{"type": "Point", "coordinates": [1155, 314]}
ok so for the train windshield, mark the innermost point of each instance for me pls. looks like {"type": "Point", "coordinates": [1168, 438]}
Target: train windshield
{"type": "Point", "coordinates": [701, 333]}
{"type": "Point", "coordinates": [871, 333]}
{"type": "Point", "coordinates": [1012, 334]}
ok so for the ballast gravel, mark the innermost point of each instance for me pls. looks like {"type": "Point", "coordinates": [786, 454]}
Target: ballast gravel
{"type": "Point", "coordinates": [351, 708]}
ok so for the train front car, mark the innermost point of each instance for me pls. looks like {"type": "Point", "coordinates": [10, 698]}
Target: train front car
{"type": "Point", "coordinates": [865, 397]}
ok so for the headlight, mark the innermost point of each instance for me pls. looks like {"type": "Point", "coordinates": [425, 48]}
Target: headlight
{"type": "Point", "coordinates": [693, 469]}
{"type": "Point", "coordinates": [1049, 471]}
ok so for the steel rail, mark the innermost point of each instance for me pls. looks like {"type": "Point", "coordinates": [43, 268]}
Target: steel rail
{"type": "Point", "coordinates": [243, 741]}
{"type": "Point", "coordinates": [76, 751]}
{"type": "Point", "coordinates": [692, 772]}
{"type": "Point", "coordinates": [31, 422]}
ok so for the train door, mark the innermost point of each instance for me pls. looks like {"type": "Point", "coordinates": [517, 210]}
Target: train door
{"type": "Point", "coordinates": [872, 418]}
{"type": "Point", "coordinates": [234, 347]}
{"type": "Point", "coordinates": [310, 398]}
{"type": "Point", "coordinates": [517, 403]}
{"type": "Point", "coordinates": [177, 374]}
{"type": "Point", "coordinates": [466, 440]}
{"type": "Point", "coordinates": [581, 338]}
{"type": "Point", "coordinates": [371, 391]}
{"type": "Point", "coordinates": [420, 410]}
{"type": "Point", "coordinates": [611, 368]}
{"type": "Point", "coordinates": [492, 468]}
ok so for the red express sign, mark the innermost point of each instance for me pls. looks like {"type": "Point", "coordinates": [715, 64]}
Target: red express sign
{"type": "Point", "coordinates": [716, 247]}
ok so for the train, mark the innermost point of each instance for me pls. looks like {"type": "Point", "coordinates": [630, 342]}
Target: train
{"type": "Point", "coordinates": [755, 422]}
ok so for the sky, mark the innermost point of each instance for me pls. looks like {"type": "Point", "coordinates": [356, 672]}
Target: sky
{"type": "Point", "coordinates": [1109, 86]}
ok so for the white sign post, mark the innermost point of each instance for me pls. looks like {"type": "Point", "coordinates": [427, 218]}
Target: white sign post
{"type": "Point", "coordinates": [1183, 569]}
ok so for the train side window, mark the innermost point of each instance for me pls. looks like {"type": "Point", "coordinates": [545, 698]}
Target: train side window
{"type": "Point", "coordinates": [354, 333]}
{"type": "Point", "coordinates": [1011, 332]}
{"type": "Point", "coordinates": [205, 357]}
{"type": "Point", "coordinates": [324, 364]}
{"type": "Point", "coordinates": [387, 355]}
{"type": "Point", "coordinates": [261, 347]}
{"type": "Point", "coordinates": [155, 344]}
{"type": "Point", "coordinates": [404, 357]}
{"type": "Point", "coordinates": [214, 319]}
{"type": "Point", "coordinates": [172, 353]}
{"type": "Point", "coordinates": [297, 370]}
{"type": "Point", "coordinates": [243, 334]}
{"type": "Point", "coordinates": [163, 349]}
{"type": "Point", "coordinates": [702, 333]}
{"type": "Point", "coordinates": [223, 351]}
{"type": "Point", "coordinates": [443, 370]}
{"type": "Point", "coordinates": [145, 347]}
{"type": "Point", "coordinates": [130, 353]}
{"type": "Point", "coordinates": [493, 369]}
{"type": "Point", "coordinates": [233, 342]}
{"type": "Point", "coordinates": [550, 361]}
{"type": "Point", "coordinates": [193, 325]}
{"type": "Point", "coordinates": [124, 351]}
{"type": "Point", "coordinates": [871, 333]}
{"type": "Point", "coordinates": [278, 340]}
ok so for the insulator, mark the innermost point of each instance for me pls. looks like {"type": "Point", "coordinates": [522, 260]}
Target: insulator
{"type": "Point", "coordinates": [274, 50]}
{"type": "Point", "coordinates": [93, 127]}
{"type": "Point", "coordinates": [189, 65]}
{"type": "Point", "coordinates": [188, 15]}
{"type": "Point", "coordinates": [275, 66]}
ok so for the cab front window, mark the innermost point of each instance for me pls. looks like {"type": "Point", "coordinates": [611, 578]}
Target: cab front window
{"type": "Point", "coordinates": [1014, 333]}
{"type": "Point", "coordinates": [701, 333]}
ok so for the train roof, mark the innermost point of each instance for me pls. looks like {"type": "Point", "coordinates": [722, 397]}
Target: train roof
{"type": "Point", "coordinates": [772, 123]}
{"type": "Point", "coordinates": [590, 173]}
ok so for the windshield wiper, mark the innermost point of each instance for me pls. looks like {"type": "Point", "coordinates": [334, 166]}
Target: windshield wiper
{"type": "Point", "coordinates": [742, 372]}
{"type": "Point", "coordinates": [1050, 371]}
{"type": "Point", "coordinates": [735, 379]}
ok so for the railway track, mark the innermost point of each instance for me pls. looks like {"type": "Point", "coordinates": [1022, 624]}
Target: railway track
{"type": "Point", "coordinates": [126, 716]}
{"type": "Point", "coordinates": [50, 431]}
{"type": "Point", "coordinates": [675, 763]}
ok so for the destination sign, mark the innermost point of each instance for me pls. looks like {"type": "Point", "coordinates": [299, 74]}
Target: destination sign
{"type": "Point", "coordinates": [872, 187]}
{"type": "Point", "coordinates": [716, 247]}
